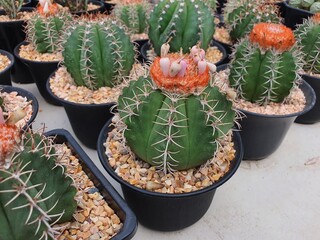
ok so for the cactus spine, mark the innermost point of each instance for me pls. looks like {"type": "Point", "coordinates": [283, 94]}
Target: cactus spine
{"type": "Point", "coordinates": [264, 68]}
{"type": "Point", "coordinates": [242, 15]}
{"type": "Point", "coordinates": [185, 22]}
{"type": "Point", "coordinates": [174, 120]}
{"type": "Point", "coordinates": [11, 7]}
{"type": "Point", "coordinates": [98, 54]}
{"type": "Point", "coordinates": [45, 32]}
{"type": "Point", "coordinates": [308, 38]}
{"type": "Point", "coordinates": [133, 14]}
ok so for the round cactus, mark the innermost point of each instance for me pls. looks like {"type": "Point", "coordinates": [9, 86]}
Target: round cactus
{"type": "Point", "coordinates": [242, 15]}
{"type": "Point", "coordinates": [184, 22]}
{"type": "Point", "coordinates": [174, 120]}
{"type": "Point", "coordinates": [35, 193]}
{"type": "Point", "coordinates": [45, 32]}
{"type": "Point", "coordinates": [98, 54]}
{"type": "Point", "coordinates": [308, 38]}
{"type": "Point", "coordinates": [265, 65]}
{"type": "Point", "coordinates": [133, 14]}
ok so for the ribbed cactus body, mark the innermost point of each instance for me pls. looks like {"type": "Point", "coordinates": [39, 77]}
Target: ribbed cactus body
{"type": "Point", "coordinates": [45, 32]}
{"type": "Point", "coordinates": [262, 76]}
{"type": "Point", "coordinates": [34, 192]}
{"type": "Point", "coordinates": [242, 15]}
{"type": "Point", "coordinates": [308, 37]}
{"type": "Point", "coordinates": [170, 130]}
{"type": "Point", "coordinates": [98, 54]}
{"type": "Point", "coordinates": [133, 15]}
{"type": "Point", "coordinates": [11, 7]}
{"type": "Point", "coordinates": [185, 22]}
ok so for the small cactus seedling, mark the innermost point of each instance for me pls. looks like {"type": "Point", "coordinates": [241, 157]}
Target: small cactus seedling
{"type": "Point", "coordinates": [133, 14]}
{"type": "Point", "coordinates": [174, 120]}
{"type": "Point", "coordinates": [45, 32]}
{"type": "Point", "coordinates": [74, 5]}
{"type": "Point", "coordinates": [35, 193]}
{"type": "Point", "coordinates": [11, 7]}
{"type": "Point", "coordinates": [241, 15]}
{"type": "Point", "coordinates": [265, 65]}
{"type": "Point", "coordinates": [308, 38]}
{"type": "Point", "coordinates": [98, 54]}
{"type": "Point", "coordinates": [185, 22]}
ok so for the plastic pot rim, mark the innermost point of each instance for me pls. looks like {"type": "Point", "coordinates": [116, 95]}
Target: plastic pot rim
{"type": "Point", "coordinates": [11, 58]}
{"type": "Point", "coordinates": [214, 186]}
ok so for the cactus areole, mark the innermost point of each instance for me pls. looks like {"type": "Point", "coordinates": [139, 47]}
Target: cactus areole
{"type": "Point", "coordinates": [176, 124]}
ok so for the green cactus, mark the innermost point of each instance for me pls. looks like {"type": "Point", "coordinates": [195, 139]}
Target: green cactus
{"type": "Point", "coordinates": [133, 14]}
{"type": "Point", "coordinates": [35, 193]}
{"type": "Point", "coordinates": [263, 74]}
{"type": "Point", "coordinates": [11, 7]}
{"type": "Point", "coordinates": [241, 15]}
{"type": "Point", "coordinates": [45, 32]}
{"type": "Point", "coordinates": [98, 54]}
{"type": "Point", "coordinates": [184, 22]}
{"type": "Point", "coordinates": [308, 38]}
{"type": "Point", "coordinates": [74, 5]}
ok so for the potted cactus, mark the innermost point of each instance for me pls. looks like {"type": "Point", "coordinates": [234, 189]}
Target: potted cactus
{"type": "Point", "coordinates": [308, 38]}
{"type": "Point", "coordinates": [6, 63]}
{"type": "Point", "coordinates": [41, 52]}
{"type": "Point", "coordinates": [264, 74]}
{"type": "Point", "coordinates": [80, 7]}
{"type": "Point", "coordinates": [97, 57]}
{"type": "Point", "coordinates": [166, 145]}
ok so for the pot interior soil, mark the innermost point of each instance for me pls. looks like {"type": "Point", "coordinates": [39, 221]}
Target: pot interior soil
{"type": "Point", "coordinates": [4, 62]}
{"type": "Point", "coordinates": [221, 34]}
{"type": "Point", "coordinates": [139, 36]}
{"type": "Point", "coordinates": [93, 219]}
{"type": "Point", "coordinates": [20, 16]}
{"type": "Point", "coordinates": [142, 175]}
{"type": "Point", "coordinates": [12, 101]}
{"type": "Point", "coordinates": [295, 102]}
{"type": "Point", "coordinates": [29, 52]}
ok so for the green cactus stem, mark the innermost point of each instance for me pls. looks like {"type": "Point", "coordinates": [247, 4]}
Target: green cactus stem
{"type": "Point", "coordinates": [98, 54]}
{"type": "Point", "coordinates": [184, 22]}
{"type": "Point", "coordinates": [241, 15]}
{"type": "Point", "coordinates": [11, 7]}
{"type": "Point", "coordinates": [264, 68]}
{"type": "Point", "coordinates": [45, 32]}
{"type": "Point", "coordinates": [35, 193]}
{"type": "Point", "coordinates": [308, 38]}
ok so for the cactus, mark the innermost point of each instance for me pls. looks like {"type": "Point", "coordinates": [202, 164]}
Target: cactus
{"type": "Point", "coordinates": [11, 7]}
{"type": "Point", "coordinates": [265, 65]}
{"type": "Point", "coordinates": [74, 5]}
{"type": "Point", "coordinates": [45, 32]}
{"type": "Point", "coordinates": [174, 120]}
{"type": "Point", "coordinates": [35, 193]}
{"type": "Point", "coordinates": [133, 14]}
{"type": "Point", "coordinates": [98, 54]}
{"type": "Point", "coordinates": [308, 38]}
{"type": "Point", "coordinates": [185, 22]}
{"type": "Point", "coordinates": [241, 15]}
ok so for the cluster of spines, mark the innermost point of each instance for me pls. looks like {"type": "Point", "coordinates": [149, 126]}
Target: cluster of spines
{"type": "Point", "coordinates": [308, 40]}
{"type": "Point", "coordinates": [11, 7]}
{"type": "Point", "coordinates": [133, 15]}
{"type": "Point", "coordinates": [185, 22]}
{"type": "Point", "coordinates": [35, 193]}
{"type": "Point", "coordinates": [241, 15]}
{"type": "Point", "coordinates": [98, 54]}
{"type": "Point", "coordinates": [45, 32]}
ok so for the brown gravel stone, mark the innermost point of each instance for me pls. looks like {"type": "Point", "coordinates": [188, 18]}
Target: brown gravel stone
{"type": "Point", "coordinates": [221, 34]}
{"type": "Point", "coordinates": [29, 52]}
{"type": "Point", "coordinates": [20, 16]}
{"type": "Point", "coordinates": [4, 62]}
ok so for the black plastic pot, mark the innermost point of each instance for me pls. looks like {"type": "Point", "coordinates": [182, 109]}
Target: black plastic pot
{"type": "Point", "coordinates": [28, 3]}
{"type": "Point", "coordinates": [108, 6]}
{"type": "Point", "coordinates": [139, 44]}
{"type": "Point", "coordinates": [11, 34]}
{"type": "Point", "coordinates": [40, 72]}
{"type": "Point", "coordinates": [29, 96]}
{"type": "Point", "coordinates": [86, 120]}
{"type": "Point", "coordinates": [294, 16]}
{"type": "Point", "coordinates": [167, 212]}
{"type": "Point", "coordinates": [109, 194]}
{"type": "Point", "coordinates": [145, 47]}
{"type": "Point", "coordinates": [100, 9]}
{"type": "Point", "coordinates": [313, 115]}
{"type": "Point", "coordinates": [5, 78]}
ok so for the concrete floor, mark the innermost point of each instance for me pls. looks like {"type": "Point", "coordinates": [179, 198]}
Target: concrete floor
{"type": "Point", "coordinates": [275, 198]}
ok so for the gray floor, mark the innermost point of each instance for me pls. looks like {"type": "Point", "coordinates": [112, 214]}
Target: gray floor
{"type": "Point", "coordinates": [276, 198]}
